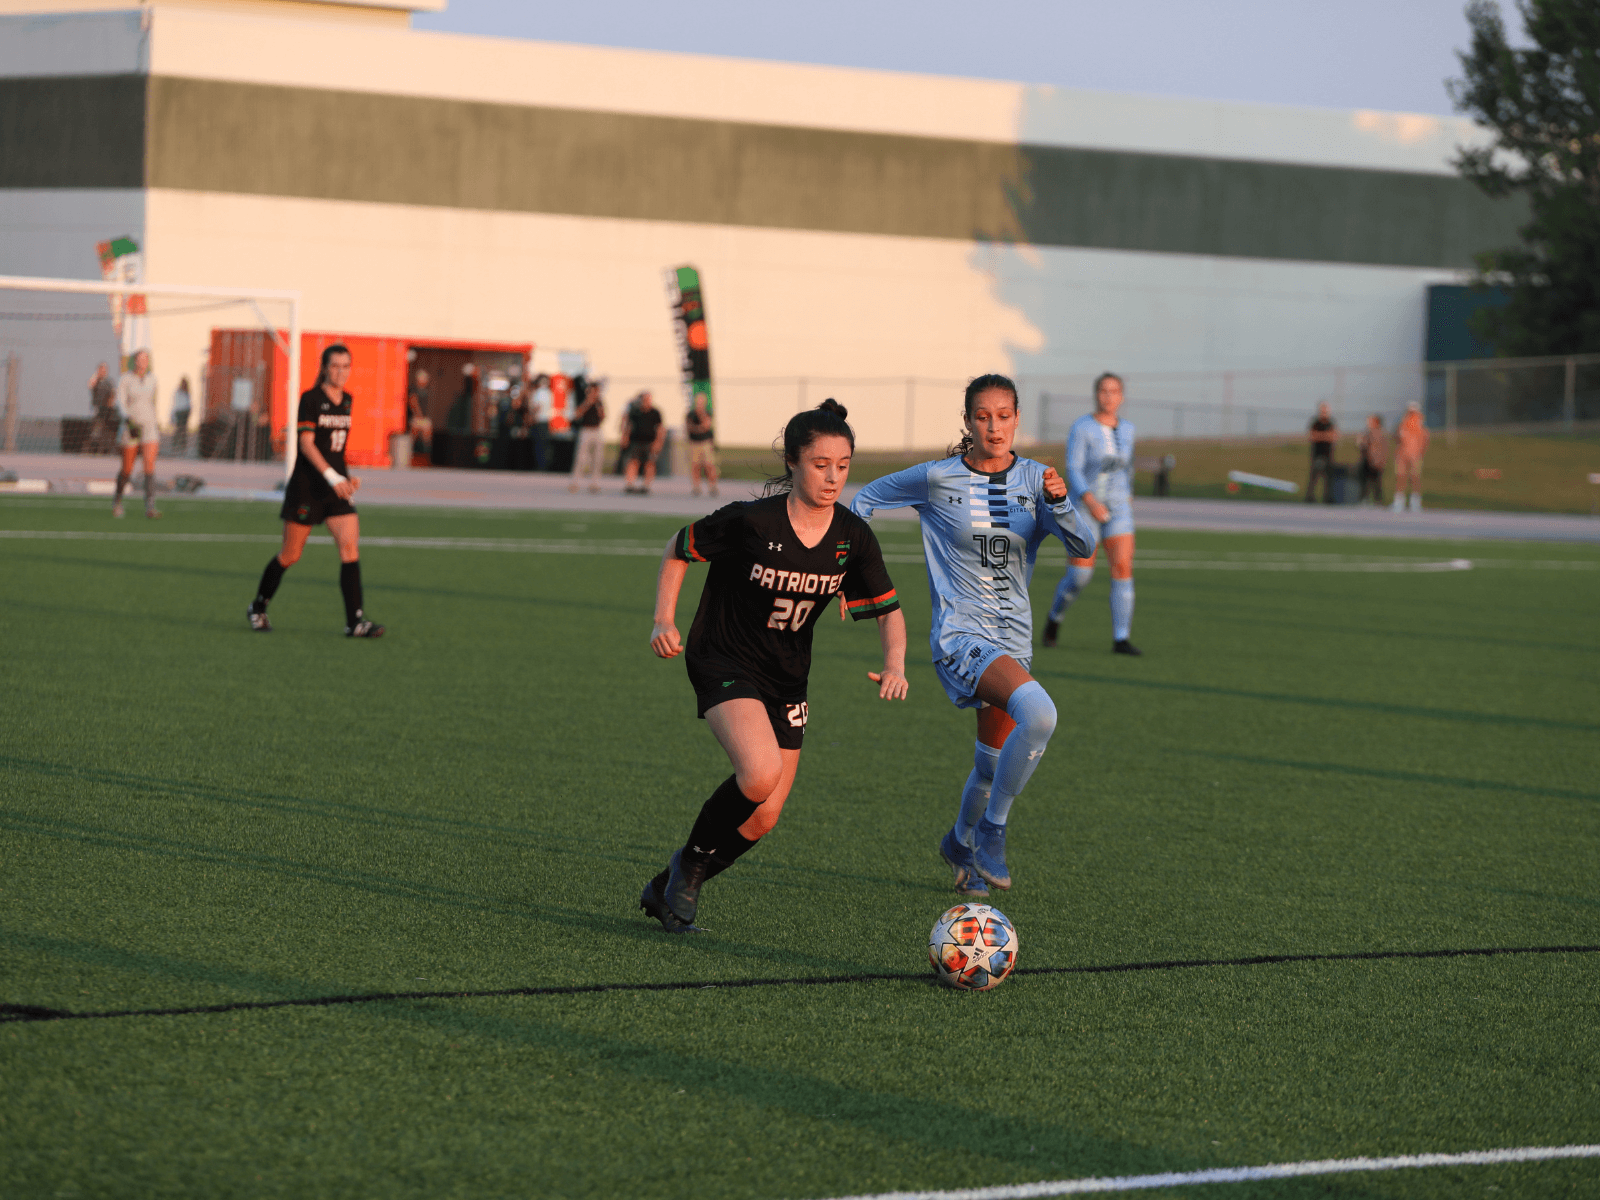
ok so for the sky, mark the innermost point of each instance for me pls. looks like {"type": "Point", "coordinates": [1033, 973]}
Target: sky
{"type": "Point", "coordinates": [1391, 55]}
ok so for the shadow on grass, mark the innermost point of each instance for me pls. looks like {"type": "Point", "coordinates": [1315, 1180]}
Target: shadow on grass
{"type": "Point", "coordinates": [364, 814]}
{"type": "Point", "coordinates": [646, 856]}
{"type": "Point", "coordinates": [1011, 1148]}
{"type": "Point", "coordinates": [535, 910]}
{"type": "Point", "coordinates": [301, 575]}
{"type": "Point", "coordinates": [1396, 776]}
{"type": "Point", "coordinates": [1373, 706]}
{"type": "Point", "coordinates": [1228, 613]}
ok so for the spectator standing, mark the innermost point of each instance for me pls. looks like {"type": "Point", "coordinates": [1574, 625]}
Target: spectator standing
{"type": "Point", "coordinates": [519, 425]}
{"type": "Point", "coordinates": [1323, 434]}
{"type": "Point", "coordinates": [591, 441]}
{"type": "Point", "coordinates": [103, 404]}
{"type": "Point", "coordinates": [141, 434]}
{"type": "Point", "coordinates": [539, 409]}
{"type": "Point", "coordinates": [461, 414]}
{"type": "Point", "coordinates": [1374, 457]}
{"type": "Point", "coordinates": [419, 401]}
{"type": "Point", "coordinates": [644, 433]}
{"type": "Point", "coordinates": [622, 445]}
{"type": "Point", "coordinates": [702, 447]}
{"type": "Point", "coordinates": [182, 406]}
{"type": "Point", "coordinates": [1410, 443]}
{"type": "Point", "coordinates": [500, 420]}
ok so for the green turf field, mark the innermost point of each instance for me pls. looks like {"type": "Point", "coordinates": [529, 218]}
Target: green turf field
{"type": "Point", "coordinates": [1305, 762]}
{"type": "Point", "coordinates": [1506, 472]}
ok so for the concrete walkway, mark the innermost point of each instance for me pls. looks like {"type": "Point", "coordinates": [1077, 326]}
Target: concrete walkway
{"type": "Point", "coordinates": [68, 474]}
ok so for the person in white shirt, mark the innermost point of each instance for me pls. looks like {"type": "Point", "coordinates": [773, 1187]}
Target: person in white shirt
{"type": "Point", "coordinates": [141, 434]}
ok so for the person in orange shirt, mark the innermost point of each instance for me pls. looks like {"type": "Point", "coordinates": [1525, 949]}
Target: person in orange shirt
{"type": "Point", "coordinates": [1410, 442]}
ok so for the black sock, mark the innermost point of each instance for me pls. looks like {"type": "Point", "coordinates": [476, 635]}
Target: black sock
{"type": "Point", "coordinates": [270, 579]}
{"type": "Point", "coordinates": [715, 838]}
{"type": "Point", "coordinates": [149, 489]}
{"type": "Point", "coordinates": [122, 484]}
{"type": "Point", "coordinates": [350, 585]}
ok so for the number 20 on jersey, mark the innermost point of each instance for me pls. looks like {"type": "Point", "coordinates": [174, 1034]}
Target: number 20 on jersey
{"type": "Point", "coordinates": [790, 614]}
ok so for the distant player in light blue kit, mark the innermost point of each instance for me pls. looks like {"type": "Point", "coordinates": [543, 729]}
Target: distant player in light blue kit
{"type": "Point", "coordinates": [1100, 484]}
{"type": "Point", "coordinates": [984, 513]}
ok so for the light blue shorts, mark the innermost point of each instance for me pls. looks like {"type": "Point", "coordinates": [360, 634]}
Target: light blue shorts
{"type": "Point", "coordinates": [960, 672]}
{"type": "Point", "coordinates": [1118, 522]}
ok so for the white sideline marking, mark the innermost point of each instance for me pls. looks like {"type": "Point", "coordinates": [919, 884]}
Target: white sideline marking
{"type": "Point", "coordinates": [1327, 1166]}
{"type": "Point", "coordinates": [1149, 560]}
{"type": "Point", "coordinates": [513, 545]}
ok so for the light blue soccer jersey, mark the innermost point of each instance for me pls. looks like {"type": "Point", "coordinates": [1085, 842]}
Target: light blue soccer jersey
{"type": "Point", "coordinates": [1100, 460]}
{"type": "Point", "coordinates": [981, 534]}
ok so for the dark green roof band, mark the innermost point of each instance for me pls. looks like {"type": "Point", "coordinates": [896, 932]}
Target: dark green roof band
{"type": "Point", "coordinates": [279, 141]}
{"type": "Point", "coordinates": [70, 132]}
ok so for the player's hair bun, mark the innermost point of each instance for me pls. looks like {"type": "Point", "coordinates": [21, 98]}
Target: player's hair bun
{"type": "Point", "coordinates": [825, 420]}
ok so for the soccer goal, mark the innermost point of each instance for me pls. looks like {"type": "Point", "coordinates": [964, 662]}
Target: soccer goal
{"type": "Point", "coordinates": [226, 362]}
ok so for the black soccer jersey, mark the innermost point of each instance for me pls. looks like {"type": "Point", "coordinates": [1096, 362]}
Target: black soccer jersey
{"type": "Point", "coordinates": [766, 591]}
{"type": "Point", "coordinates": [329, 425]}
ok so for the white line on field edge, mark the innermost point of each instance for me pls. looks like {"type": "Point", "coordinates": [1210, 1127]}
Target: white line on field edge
{"type": "Point", "coordinates": [1327, 1166]}
{"type": "Point", "coordinates": [1152, 560]}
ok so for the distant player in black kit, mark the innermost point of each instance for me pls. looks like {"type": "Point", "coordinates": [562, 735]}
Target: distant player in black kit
{"type": "Point", "coordinates": [319, 490]}
{"type": "Point", "coordinates": [776, 565]}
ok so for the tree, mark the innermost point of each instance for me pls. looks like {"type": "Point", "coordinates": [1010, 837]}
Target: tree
{"type": "Point", "coordinates": [1542, 103]}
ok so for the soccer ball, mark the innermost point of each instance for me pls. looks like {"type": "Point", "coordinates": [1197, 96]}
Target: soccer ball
{"type": "Point", "coordinates": [973, 947]}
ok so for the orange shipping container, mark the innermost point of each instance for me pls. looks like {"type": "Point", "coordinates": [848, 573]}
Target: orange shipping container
{"type": "Point", "coordinates": [379, 375]}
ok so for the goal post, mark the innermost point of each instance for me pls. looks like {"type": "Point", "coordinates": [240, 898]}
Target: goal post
{"type": "Point", "coordinates": [179, 319]}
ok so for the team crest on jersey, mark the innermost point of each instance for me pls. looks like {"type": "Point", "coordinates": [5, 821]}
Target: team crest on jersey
{"type": "Point", "coordinates": [303, 511]}
{"type": "Point", "coordinates": [841, 551]}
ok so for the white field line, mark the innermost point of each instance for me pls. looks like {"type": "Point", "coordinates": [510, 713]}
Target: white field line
{"type": "Point", "coordinates": [1327, 1166]}
{"type": "Point", "coordinates": [1157, 560]}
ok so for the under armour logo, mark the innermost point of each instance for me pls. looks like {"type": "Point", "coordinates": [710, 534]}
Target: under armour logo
{"type": "Point", "coordinates": [774, 545]}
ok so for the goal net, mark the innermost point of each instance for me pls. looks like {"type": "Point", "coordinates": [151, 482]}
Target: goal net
{"type": "Point", "coordinates": [226, 362]}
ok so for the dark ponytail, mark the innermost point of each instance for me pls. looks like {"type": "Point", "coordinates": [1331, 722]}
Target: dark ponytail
{"type": "Point", "coordinates": [980, 385]}
{"type": "Point", "coordinates": [825, 420]}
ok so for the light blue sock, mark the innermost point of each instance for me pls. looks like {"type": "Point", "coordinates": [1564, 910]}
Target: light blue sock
{"type": "Point", "coordinates": [1121, 609]}
{"type": "Point", "coordinates": [975, 796]}
{"type": "Point", "coordinates": [1034, 712]}
{"type": "Point", "coordinates": [1073, 582]}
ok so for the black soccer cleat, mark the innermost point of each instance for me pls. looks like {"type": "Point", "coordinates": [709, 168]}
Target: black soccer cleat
{"type": "Point", "coordinates": [1052, 630]}
{"type": "Point", "coordinates": [1126, 647]}
{"type": "Point", "coordinates": [682, 889]}
{"type": "Point", "coordinates": [683, 886]}
{"type": "Point", "coordinates": [364, 628]}
{"type": "Point", "coordinates": [258, 618]}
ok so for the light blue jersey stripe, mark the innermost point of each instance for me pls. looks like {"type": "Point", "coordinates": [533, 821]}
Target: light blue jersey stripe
{"type": "Point", "coordinates": [981, 535]}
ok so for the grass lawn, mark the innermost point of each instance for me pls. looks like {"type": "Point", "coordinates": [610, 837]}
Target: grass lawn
{"type": "Point", "coordinates": [1304, 762]}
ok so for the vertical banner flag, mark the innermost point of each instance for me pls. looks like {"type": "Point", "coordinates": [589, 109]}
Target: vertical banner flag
{"type": "Point", "coordinates": [689, 327]}
{"type": "Point", "coordinates": [121, 262]}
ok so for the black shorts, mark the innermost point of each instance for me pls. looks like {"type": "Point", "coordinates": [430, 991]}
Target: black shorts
{"type": "Point", "coordinates": [312, 501]}
{"type": "Point", "coordinates": [788, 717]}
{"type": "Point", "coordinates": [640, 451]}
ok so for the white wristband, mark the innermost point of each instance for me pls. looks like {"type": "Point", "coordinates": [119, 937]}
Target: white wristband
{"type": "Point", "coordinates": [333, 477]}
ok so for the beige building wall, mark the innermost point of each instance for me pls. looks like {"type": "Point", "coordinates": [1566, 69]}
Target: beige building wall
{"type": "Point", "coordinates": [856, 230]}
{"type": "Point", "coordinates": [782, 304]}
{"type": "Point", "coordinates": [852, 315]}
